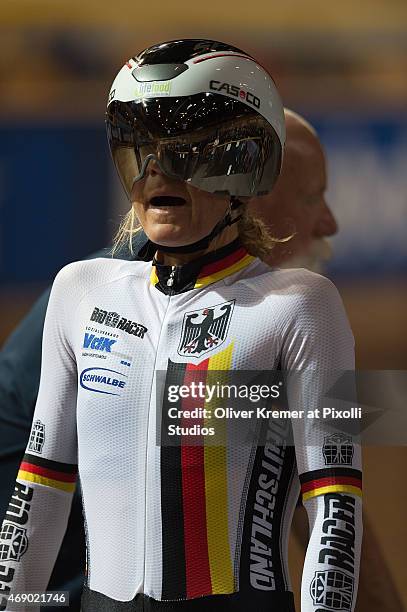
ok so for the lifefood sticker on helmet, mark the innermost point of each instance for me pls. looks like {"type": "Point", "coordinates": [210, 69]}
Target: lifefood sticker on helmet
{"type": "Point", "coordinates": [154, 88]}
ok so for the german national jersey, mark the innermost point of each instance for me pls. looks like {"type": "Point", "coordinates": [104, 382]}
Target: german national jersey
{"type": "Point", "coordinates": [185, 526]}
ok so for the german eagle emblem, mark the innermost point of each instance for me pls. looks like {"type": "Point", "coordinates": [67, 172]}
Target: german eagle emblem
{"type": "Point", "coordinates": [205, 329]}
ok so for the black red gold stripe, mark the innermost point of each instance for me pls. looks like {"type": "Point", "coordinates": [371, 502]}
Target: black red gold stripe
{"type": "Point", "coordinates": [212, 271]}
{"type": "Point", "coordinates": [217, 270]}
{"type": "Point", "coordinates": [331, 480]}
{"type": "Point", "coordinates": [48, 473]}
{"type": "Point", "coordinates": [194, 504]}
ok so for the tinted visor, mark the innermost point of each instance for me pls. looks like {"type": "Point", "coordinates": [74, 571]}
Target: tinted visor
{"type": "Point", "coordinates": [213, 142]}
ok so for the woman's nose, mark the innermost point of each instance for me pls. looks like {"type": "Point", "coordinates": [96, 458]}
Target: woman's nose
{"type": "Point", "coordinates": [153, 167]}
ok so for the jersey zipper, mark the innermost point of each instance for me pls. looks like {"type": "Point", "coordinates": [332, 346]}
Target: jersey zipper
{"type": "Point", "coordinates": [170, 280]}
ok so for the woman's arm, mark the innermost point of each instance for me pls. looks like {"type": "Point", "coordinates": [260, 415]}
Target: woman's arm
{"type": "Point", "coordinates": [318, 344]}
{"type": "Point", "coordinates": [37, 515]}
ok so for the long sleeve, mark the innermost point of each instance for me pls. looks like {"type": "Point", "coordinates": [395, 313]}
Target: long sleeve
{"type": "Point", "coordinates": [20, 365]}
{"type": "Point", "coordinates": [318, 349]}
{"type": "Point", "coordinates": [37, 515]}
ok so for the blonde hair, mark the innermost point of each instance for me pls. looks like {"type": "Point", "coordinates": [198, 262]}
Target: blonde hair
{"type": "Point", "coordinates": [129, 226]}
{"type": "Point", "coordinates": [253, 234]}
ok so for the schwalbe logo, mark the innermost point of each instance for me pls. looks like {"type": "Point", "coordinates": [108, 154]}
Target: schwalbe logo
{"type": "Point", "coordinates": [90, 378]}
{"type": "Point", "coordinates": [237, 92]}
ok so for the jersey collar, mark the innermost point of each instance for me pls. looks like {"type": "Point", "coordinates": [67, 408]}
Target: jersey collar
{"type": "Point", "coordinates": [203, 271]}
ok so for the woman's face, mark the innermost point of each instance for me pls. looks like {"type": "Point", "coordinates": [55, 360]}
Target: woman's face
{"type": "Point", "coordinates": [172, 212]}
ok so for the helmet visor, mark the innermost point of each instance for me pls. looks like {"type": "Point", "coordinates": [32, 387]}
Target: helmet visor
{"type": "Point", "coordinates": [238, 153]}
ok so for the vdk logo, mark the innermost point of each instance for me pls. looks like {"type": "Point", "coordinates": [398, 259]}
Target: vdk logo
{"type": "Point", "coordinates": [100, 380]}
{"type": "Point", "coordinates": [98, 343]}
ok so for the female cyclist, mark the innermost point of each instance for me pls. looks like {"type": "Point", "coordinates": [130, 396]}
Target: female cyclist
{"type": "Point", "coordinates": [195, 128]}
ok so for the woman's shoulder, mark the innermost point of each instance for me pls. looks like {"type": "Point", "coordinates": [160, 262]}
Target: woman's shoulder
{"type": "Point", "coordinates": [310, 302]}
{"type": "Point", "coordinates": [303, 281]}
{"type": "Point", "coordinates": [298, 284]}
{"type": "Point", "coordinates": [83, 275]}
{"type": "Point", "coordinates": [299, 298]}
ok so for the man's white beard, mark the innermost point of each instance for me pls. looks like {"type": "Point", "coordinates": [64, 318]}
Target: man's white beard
{"type": "Point", "coordinates": [319, 252]}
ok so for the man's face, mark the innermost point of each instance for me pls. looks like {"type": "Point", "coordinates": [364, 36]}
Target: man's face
{"type": "Point", "coordinates": [297, 204]}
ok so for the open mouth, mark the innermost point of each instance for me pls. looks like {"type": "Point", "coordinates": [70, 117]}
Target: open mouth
{"type": "Point", "coordinates": [158, 201]}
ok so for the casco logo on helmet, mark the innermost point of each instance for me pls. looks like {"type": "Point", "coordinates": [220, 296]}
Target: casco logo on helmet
{"type": "Point", "coordinates": [234, 90]}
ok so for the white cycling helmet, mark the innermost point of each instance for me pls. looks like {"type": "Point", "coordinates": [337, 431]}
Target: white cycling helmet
{"type": "Point", "coordinates": [207, 112]}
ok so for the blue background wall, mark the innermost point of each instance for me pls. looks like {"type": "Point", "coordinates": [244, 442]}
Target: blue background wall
{"type": "Point", "coordinates": [54, 198]}
{"type": "Point", "coordinates": [56, 192]}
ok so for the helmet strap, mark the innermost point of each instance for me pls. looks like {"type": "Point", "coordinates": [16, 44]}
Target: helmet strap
{"type": "Point", "coordinates": [147, 252]}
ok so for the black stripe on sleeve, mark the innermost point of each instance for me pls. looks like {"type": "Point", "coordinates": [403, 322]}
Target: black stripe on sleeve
{"type": "Point", "coordinates": [66, 468]}
{"type": "Point", "coordinates": [330, 473]}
